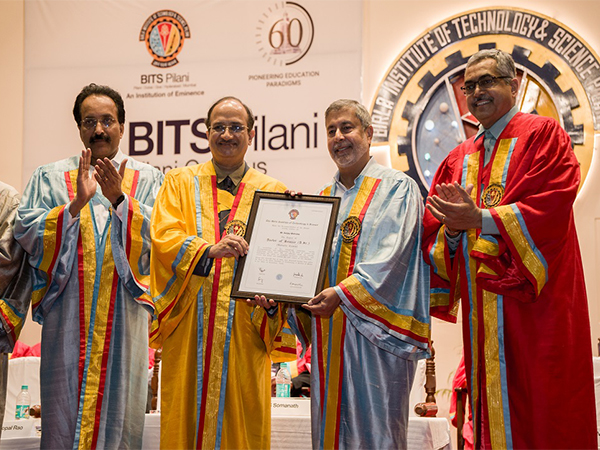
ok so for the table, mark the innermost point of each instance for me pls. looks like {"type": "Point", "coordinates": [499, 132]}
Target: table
{"type": "Point", "coordinates": [424, 433]}
{"type": "Point", "coordinates": [287, 432]}
{"type": "Point", "coordinates": [29, 439]}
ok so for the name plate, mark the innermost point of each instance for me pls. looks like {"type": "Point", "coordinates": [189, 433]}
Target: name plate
{"type": "Point", "coordinates": [290, 406]}
{"type": "Point", "coordinates": [18, 428]}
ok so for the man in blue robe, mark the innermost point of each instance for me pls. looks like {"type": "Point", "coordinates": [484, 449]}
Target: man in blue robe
{"type": "Point", "coordinates": [84, 221]}
{"type": "Point", "coordinates": [371, 323]}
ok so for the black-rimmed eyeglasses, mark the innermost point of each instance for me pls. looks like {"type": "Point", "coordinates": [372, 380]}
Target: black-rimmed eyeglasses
{"type": "Point", "coordinates": [485, 82]}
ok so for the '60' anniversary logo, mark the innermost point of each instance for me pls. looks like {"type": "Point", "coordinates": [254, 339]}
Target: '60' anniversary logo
{"type": "Point", "coordinates": [284, 33]}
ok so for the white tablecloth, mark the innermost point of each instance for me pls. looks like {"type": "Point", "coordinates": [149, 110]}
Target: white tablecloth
{"type": "Point", "coordinates": [289, 433]}
{"type": "Point", "coordinates": [293, 432]}
{"type": "Point", "coordinates": [30, 443]}
{"type": "Point", "coordinates": [30, 440]}
{"type": "Point", "coordinates": [22, 371]}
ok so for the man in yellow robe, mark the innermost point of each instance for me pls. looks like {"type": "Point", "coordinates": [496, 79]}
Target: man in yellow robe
{"type": "Point", "coordinates": [216, 351]}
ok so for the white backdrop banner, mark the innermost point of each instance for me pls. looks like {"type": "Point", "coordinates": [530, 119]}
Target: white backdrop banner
{"type": "Point", "coordinates": [171, 60]}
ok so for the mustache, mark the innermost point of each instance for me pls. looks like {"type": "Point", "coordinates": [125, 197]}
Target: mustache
{"type": "Point", "coordinates": [100, 137]}
{"type": "Point", "coordinates": [340, 147]}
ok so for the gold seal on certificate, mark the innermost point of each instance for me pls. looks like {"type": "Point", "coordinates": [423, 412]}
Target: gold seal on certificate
{"type": "Point", "coordinates": [290, 241]}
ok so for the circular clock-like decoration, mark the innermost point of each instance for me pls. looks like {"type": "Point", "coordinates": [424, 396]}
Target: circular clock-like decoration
{"type": "Point", "coordinates": [445, 120]}
{"type": "Point", "coordinates": [423, 118]}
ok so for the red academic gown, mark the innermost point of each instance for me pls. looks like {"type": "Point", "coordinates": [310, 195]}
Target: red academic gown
{"type": "Point", "coordinates": [525, 313]}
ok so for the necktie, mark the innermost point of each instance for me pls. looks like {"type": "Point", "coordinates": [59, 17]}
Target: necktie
{"type": "Point", "coordinates": [488, 143]}
{"type": "Point", "coordinates": [227, 185]}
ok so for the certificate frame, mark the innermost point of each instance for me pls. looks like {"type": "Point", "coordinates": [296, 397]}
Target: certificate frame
{"type": "Point", "coordinates": [287, 258]}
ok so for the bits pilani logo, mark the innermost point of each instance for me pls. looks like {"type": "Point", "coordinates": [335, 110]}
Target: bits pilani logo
{"type": "Point", "coordinates": [164, 33]}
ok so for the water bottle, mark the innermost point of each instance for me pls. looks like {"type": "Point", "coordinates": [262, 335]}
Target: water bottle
{"type": "Point", "coordinates": [283, 381]}
{"type": "Point", "coordinates": [23, 402]}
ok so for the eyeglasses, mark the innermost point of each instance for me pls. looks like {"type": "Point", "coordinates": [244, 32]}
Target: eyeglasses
{"type": "Point", "coordinates": [90, 123]}
{"type": "Point", "coordinates": [236, 128]}
{"type": "Point", "coordinates": [484, 83]}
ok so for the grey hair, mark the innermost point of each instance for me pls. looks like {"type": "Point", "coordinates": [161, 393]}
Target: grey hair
{"type": "Point", "coordinates": [504, 62]}
{"type": "Point", "coordinates": [361, 112]}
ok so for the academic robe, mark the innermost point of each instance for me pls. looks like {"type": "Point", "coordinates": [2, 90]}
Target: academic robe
{"type": "Point", "coordinates": [91, 297]}
{"type": "Point", "coordinates": [364, 357]}
{"type": "Point", "coordinates": [15, 285]}
{"type": "Point", "coordinates": [524, 308]}
{"type": "Point", "coordinates": [215, 385]}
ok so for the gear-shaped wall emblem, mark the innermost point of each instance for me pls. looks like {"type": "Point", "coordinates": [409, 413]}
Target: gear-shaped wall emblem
{"type": "Point", "coordinates": [420, 113]}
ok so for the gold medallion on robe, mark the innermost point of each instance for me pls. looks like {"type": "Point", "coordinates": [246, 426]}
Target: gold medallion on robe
{"type": "Point", "coordinates": [493, 195]}
{"type": "Point", "coordinates": [236, 227]}
{"type": "Point", "coordinates": [350, 228]}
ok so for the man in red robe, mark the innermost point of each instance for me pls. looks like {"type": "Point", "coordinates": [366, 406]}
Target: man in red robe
{"type": "Point", "coordinates": [499, 235]}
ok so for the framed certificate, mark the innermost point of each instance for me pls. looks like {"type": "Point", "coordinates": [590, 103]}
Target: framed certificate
{"type": "Point", "coordinates": [290, 242]}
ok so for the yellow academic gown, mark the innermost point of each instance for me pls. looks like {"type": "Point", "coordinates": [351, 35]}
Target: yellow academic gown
{"type": "Point", "coordinates": [216, 351]}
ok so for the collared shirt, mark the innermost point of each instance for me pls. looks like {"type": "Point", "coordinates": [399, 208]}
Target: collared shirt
{"type": "Point", "coordinates": [488, 226]}
{"type": "Point", "coordinates": [236, 176]}
{"type": "Point", "coordinates": [495, 131]}
{"type": "Point", "coordinates": [204, 264]}
{"type": "Point", "coordinates": [341, 190]}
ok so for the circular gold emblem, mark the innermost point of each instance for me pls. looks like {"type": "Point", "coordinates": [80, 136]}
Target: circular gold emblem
{"type": "Point", "coordinates": [350, 228]}
{"type": "Point", "coordinates": [236, 227]}
{"type": "Point", "coordinates": [492, 195]}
